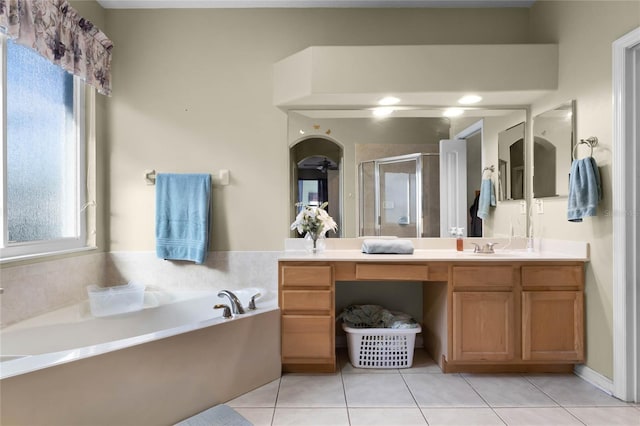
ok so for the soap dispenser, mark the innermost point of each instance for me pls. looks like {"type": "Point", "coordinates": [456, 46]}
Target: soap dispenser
{"type": "Point", "coordinates": [459, 241]}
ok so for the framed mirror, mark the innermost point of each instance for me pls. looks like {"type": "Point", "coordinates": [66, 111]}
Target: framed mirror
{"type": "Point", "coordinates": [553, 142]}
{"type": "Point", "coordinates": [511, 165]}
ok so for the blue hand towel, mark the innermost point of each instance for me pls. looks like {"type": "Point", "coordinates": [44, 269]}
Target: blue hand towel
{"type": "Point", "coordinates": [182, 216]}
{"type": "Point", "coordinates": [487, 198]}
{"type": "Point", "coordinates": [392, 246]}
{"type": "Point", "coordinates": [585, 190]}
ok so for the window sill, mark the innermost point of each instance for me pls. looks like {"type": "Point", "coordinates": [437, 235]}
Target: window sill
{"type": "Point", "coordinates": [8, 260]}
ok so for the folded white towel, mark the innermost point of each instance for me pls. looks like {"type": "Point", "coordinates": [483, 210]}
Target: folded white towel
{"type": "Point", "coordinates": [394, 246]}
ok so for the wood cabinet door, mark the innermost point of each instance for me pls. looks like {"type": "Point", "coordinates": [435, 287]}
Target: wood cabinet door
{"type": "Point", "coordinates": [553, 326]}
{"type": "Point", "coordinates": [306, 337]}
{"type": "Point", "coordinates": [483, 326]}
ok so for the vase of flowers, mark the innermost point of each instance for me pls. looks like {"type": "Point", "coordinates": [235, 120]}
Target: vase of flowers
{"type": "Point", "coordinates": [314, 222]}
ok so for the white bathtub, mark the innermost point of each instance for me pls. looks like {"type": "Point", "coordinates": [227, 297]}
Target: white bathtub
{"type": "Point", "coordinates": [177, 331]}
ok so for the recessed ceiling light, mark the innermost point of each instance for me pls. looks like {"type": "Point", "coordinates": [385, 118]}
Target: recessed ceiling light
{"type": "Point", "coordinates": [388, 100]}
{"type": "Point", "coordinates": [469, 99]}
{"type": "Point", "coordinates": [453, 112]}
{"type": "Point", "coordinates": [382, 111]}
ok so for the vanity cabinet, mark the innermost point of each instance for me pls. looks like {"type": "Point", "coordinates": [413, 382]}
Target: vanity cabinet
{"type": "Point", "coordinates": [478, 316]}
{"type": "Point", "coordinates": [306, 296]}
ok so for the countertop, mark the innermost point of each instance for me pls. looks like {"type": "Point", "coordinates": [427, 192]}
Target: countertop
{"type": "Point", "coordinates": [430, 255]}
{"type": "Point", "coordinates": [349, 249]}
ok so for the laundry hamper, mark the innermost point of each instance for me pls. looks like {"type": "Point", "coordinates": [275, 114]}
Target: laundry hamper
{"type": "Point", "coordinates": [380, 347]}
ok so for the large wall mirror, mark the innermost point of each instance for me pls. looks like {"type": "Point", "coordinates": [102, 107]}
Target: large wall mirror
{"type": "Point", "coordinates": [404, 147]}
{"type": "Point", "coordinates": [553, 141]}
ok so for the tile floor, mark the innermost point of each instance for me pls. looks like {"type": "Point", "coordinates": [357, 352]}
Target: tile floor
{"type": "Point", "coordinates": [422, 395]}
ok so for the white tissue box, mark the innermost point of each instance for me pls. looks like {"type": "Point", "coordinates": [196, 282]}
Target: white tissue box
{"type": "Point", "coordinates": [105, 301]}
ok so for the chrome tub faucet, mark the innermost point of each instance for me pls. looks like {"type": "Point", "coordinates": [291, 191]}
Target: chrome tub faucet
{"type": "Point", "coordinates": [236, 305]}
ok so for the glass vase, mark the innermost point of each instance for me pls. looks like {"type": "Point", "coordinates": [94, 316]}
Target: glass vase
{"type": "Point", "coordinates": [314, 245]}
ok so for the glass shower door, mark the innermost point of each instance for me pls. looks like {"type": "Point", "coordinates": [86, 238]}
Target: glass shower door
{"type": "Point", "coordinates": [399, 196]}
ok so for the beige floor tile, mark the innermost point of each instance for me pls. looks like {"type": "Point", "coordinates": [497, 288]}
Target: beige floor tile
{"type": "Point", "coordinates": [529, 416]}
{"type": "Point", "coordinates": [320, 390]}
{"type": "Point", "coordinates": [257, 416]}
{"type": "Point", "coordinates": [377, 390]}
{"type": "Point", "coordinates": [264, 396]}
{"type": "Point", "coordinates": [508, 391]}
{"type": "Point", "coordinates": [605, 416]}
{"type": "Point", "coordinates": [345, 366]}
{"type": "Point", "coordinates": [386, 417]}
{"type": "Point", "coordinates": [461, 417]}
{"type": "Point", "coordinates": [422, 363]}
{"type": "Point", "coordinates": [311, 417]}
{"type": "Point", "coordinates": [442, 390]}
{"type": "Point", "coordinates": [569, 390]}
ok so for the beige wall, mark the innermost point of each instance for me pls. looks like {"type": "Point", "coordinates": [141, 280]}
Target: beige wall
{"type": "Point", "coordinates": [193, 93]}
{"type": "Point", "coordinates": [584, 31]}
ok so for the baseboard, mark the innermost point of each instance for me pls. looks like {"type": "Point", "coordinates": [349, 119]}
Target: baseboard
{"type": "Point", "coordinates": [595, 378]}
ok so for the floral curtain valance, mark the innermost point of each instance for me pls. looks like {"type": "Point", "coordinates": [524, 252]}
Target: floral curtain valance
{"type": "Point", "coordinates": [56, 31]}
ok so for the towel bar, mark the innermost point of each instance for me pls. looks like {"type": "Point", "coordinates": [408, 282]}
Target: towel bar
{"type": "Point", "coordinates": [223, 177]}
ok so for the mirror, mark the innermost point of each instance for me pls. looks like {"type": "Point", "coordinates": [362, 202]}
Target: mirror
{"type": "Point", "coordinates": [511, 171]}
{"type": "Point", "coordinates": [362, 139]}
{"type": "Point", "coordinates": [553, 142]}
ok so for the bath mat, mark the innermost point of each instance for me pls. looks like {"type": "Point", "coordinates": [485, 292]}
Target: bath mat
{"type": "Point", "coordinates": [220, 415]}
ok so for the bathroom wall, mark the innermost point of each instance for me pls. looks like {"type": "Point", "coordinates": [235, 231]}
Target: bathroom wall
{"type": "Point", "coordinates": [585, 31]}
{"type": "Point", "coordinates": [193, 93]}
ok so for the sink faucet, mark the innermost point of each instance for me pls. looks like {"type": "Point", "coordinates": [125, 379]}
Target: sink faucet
{"type": "Point", "coordinates": [486, 249]}
{"type": "Point", "coordinates": [236, 305]}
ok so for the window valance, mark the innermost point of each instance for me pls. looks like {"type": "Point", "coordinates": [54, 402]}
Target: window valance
{"type": "Point", "coordinates": [56, 31]}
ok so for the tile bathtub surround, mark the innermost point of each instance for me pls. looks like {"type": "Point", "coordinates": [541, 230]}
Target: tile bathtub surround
{"type": "Point", "coordinates": [230, 270]}
{"type": "Point", "coordinates": [423, 395]}
{"type": "Point", "coordinates": [33, 289]}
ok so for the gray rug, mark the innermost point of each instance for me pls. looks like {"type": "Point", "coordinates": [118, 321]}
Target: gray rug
{"type": "Point", "coordinates": [220, 415]}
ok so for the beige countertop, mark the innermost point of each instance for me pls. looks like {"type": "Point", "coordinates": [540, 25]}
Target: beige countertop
{"type": "Point", "coordinates": [348, 250]}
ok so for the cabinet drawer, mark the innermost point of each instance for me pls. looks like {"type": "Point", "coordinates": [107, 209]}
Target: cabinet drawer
{"type": "Point", "coordinates": [406, 272]}
{"type": "Point", "coordinates": [489, 277]}
{"type": "Point", "coordinates": [306, 276]}
{"type": "Point", "coordinates": [549, 277]}
{"type": "Point", "coordinates": [307, 337]}
{"type": "Point", "coordinates": [308, 301]}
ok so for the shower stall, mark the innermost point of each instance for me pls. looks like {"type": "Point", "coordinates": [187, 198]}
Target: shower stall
{"type": "Point", "coordinates": [400, 196]}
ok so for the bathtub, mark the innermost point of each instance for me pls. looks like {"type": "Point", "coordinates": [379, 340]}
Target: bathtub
{"type": "Point", "coordinates": [166, 362]}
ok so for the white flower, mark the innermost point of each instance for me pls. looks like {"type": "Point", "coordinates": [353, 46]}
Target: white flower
{"type": "Point", "coordinates": [314, 220]}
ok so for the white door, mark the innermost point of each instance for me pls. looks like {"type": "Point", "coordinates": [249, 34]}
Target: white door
{"type": "Point", "coordinates": [453, 186]}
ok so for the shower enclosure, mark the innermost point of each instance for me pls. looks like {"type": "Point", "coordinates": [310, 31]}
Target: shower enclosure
{"type": "Point", "coordinates": [400, 196]}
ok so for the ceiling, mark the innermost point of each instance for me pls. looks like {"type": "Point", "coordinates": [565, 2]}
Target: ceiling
{"type": "Point", "coordinates": [243, 4]}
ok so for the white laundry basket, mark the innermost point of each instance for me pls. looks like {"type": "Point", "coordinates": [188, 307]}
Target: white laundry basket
{"type": "Point", "coordinates": [380, 347]}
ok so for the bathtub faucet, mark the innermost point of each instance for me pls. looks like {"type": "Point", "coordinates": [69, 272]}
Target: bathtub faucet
{"type": "Point", "coordinates": [236, 305]}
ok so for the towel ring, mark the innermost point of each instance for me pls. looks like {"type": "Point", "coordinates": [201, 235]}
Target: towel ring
{"type": "Point", "coordinates": [590, 141]}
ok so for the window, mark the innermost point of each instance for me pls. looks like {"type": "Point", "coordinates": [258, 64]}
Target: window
{"type": "Point", "coordinates": [43, 155]}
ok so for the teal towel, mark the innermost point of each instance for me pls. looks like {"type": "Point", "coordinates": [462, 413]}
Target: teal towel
{"type": "Point", "coordinates": [585, 189]}
{"type": "Point", "coordinates": [487, 198]}
{"type": "Point", "coordinates": [182, 216]}
{"type": "Point", "coordinates": [392, 246]}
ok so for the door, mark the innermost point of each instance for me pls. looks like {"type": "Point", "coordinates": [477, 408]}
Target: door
{"type": "Point", "coordinates": [400, 196]}
{"type": "Point", "coordinates": [552, 325]}
{"type": "Point", "coordinates": [453, 186]}
{"type": "Point", "coordinates": [483, 326]}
